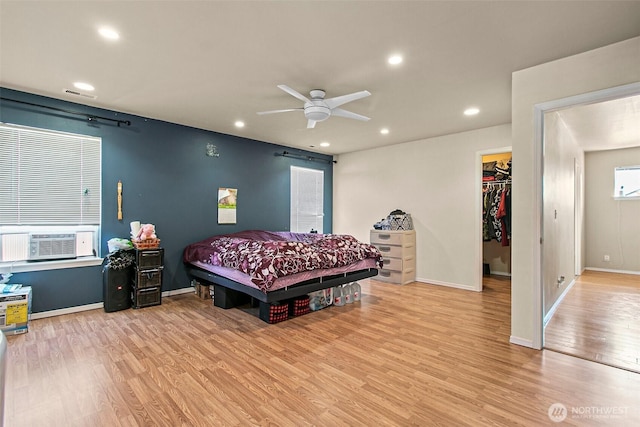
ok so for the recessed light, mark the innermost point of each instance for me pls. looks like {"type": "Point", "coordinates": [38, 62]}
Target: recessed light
{"type": "Point", "coordinates": [384, 131]}
{"type": "Point", "coordinates": [109, 33]}
{"type": "Point", "coordinates": [471, 111]}
{"type": "Point", "coordinates": [395, 59]}
{"type": "Point", "coordinates": [239, 124]}
{"type": "Point", "coordinates": [83, 86]}
{"type": "Point", "coordinates": [324, 144]}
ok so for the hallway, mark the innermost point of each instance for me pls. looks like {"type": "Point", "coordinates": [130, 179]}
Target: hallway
{"type": "Point", "coordinates": [599, 320]}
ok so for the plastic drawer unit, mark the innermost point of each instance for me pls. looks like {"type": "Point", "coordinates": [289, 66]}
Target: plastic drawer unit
{"type": "Point", "coordinates": [398, 250]}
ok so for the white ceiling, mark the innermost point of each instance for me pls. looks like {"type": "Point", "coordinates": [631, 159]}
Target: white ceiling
{"type": "Point", "coordinates": [207, 64]}
{"type": "Point", "coordinates": [605, 125]}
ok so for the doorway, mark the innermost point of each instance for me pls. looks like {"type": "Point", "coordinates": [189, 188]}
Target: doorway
{"type": "Point", "coordinates": [496, 214]}
{"type": "Point", "coordinates": [482, 260]}
{"type": "Point", "coordinates": [588, 305]}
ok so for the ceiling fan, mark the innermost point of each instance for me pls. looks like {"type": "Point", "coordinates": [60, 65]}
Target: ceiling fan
{"type": "Point", "coordinates": [318, 109]}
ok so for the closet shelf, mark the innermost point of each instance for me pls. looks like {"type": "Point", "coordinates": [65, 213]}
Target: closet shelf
{"type": "Point", "coordinates": [503, 181]}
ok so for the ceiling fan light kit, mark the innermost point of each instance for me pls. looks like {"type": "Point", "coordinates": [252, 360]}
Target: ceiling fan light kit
{"type": "Point", "coordinates": [317, 113]}
{"type": "Point", "coordinates": [318, 109]}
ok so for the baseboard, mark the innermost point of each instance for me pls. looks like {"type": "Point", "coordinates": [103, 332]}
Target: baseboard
{"type": "Point", "coordinates": [61, 311]}
{"type": "Point", "coordinates": [556, 304]}
{"type": "Point", "coordinates": [609, 270]}
{"type": "Point", "coordinates": [522, 342]}
{"type": "Point", "coordinates": [187, 290]}
{"type": "Point", "coordinates": [447, 284]}
{"type": "Point", "coordinates": [500, 273]}
{"type": "Point", "coordinates": [79, 308]}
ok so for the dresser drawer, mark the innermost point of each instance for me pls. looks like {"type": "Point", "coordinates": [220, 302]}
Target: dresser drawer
{"type": "Point", "coordinates": [389, 251]}
{"type": "Point", "coordinates": [392, 263]}
{"type": "Point", "coordinates": [146, 297]}
{"type": "Point", "coordinates": [398, 238]}
{"type": "Point", "coordinates": [399, 264]}
{"type": "Point", "coordinates": [400, 277]}
{"type": "Point", "coordinates": [149, 258]}
{"type": "Point", "coordinates": [148, 278]}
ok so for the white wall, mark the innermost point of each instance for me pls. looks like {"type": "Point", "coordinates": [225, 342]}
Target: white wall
{"type": "Point", "coordinates": [437, 181]}
{"type": "Point", "coordinates": [599, 69]}
{"type": "Point", "coordinates": [612, 226]}
{"type": "Point", "coordinates": [498, 257]}
{"type": "Point", "coordinates": [561, 152]}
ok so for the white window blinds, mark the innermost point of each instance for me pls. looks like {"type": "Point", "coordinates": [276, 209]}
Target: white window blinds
{"type": "Point", "coordinates": [48, 178]}
{"type": "Point", "coordinates": [307, 193]}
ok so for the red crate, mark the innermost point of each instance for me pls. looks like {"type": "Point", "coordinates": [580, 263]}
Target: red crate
{"type": "Point", "coordinates": [299, 306]}
{"type": "Point", "coordinates": [274, 312]}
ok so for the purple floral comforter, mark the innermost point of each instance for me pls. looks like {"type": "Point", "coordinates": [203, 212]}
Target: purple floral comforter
{"type": "Point", "coordinates": [266, 256]}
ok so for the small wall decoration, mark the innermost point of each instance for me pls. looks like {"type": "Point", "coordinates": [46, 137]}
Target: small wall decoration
{"type": "Point", "coordinates": [227, 201]}
{"type": "Point", "coordinates": [119, 200]}
{"type": "Point", "coordinates": [212, 150]}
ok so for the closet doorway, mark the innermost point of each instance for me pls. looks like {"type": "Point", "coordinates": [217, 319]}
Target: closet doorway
{"type": "Point", "coordinates": [496, 213]}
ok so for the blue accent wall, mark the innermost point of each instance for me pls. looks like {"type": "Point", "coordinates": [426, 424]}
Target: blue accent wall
{"type": "Point", "coordinates": [167, 180]}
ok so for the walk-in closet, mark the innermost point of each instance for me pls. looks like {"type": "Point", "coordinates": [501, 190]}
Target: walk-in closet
{"type": "Point", "coordinates": [496, 214]}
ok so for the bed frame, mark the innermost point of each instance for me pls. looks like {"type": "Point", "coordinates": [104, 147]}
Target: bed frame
{"type": "Point", "coordinates": [229, 293]}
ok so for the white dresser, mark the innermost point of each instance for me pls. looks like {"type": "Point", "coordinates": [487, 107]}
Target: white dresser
{"type": "Point", "coordinates": [398, 250]}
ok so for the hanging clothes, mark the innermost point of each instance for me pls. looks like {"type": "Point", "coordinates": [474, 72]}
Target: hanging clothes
{"type": "Point", "coordinates": [491, 226]}
{"type": "Point", "coordinates": [504, 214]}
{"type": "Point", "coordinates": [495, 205]}
{"type": "Point", "coordinates": [487, 225]}
{"type": "Point", "coordinates": [496, 219]}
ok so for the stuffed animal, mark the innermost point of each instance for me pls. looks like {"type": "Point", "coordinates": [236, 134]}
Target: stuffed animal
{"type": "Point", "coordinates": [147, 231]}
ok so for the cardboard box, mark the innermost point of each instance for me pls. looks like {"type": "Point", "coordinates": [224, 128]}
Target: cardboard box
{"type": "Point", "coordinates": [203, 291]}
{"type": "Point", "coordinates": [15, 311]}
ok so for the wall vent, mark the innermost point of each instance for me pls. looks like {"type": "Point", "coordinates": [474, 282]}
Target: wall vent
{"type": "Point", "coordinates": [76, 93]}
{"type": "Point", "coordinates": [52, 246]}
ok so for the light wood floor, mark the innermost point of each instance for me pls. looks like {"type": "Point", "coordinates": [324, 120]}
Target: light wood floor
{"type": "Point", "coordinates": [413, 355]}
{"type": "Point", "coordinates": [599, 319]}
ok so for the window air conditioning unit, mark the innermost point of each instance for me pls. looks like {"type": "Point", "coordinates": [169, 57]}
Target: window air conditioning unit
{"type": "Point", "coordinates": [52, 246]}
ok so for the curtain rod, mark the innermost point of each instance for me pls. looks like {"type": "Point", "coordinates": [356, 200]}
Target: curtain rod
{"type": "Point", "coordinates": [302, 156]}
{"type": "Point", "coordinates": [90, 117]}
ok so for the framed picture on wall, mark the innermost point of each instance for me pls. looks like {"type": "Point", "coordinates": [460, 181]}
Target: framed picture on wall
{"type": "Point", "coordinates": [227, 202]}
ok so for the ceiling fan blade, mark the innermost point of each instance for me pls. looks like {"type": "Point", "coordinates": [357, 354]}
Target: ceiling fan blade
{"type": "Point", "coordinates": [311, 124]}
{"type": "Point", "coordinates": [294, 93]}
{"type": "Point", "coordinates": [348, 114]}
{"type": "Point", "coordinates": [280, 111]}
{"type": "Point", "coordinates": [339, 100]}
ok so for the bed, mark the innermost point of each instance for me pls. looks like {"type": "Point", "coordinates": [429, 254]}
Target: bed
{"type": "Point", "coordinates": [276, 266]}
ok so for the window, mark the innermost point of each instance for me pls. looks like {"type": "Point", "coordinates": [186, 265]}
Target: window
{"type": "Point", "coordinates": [627, 182]}
{"type": "Point", "coordinates": [307, 192]}
{"type": "Point", "coordinates": [50, 194]}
